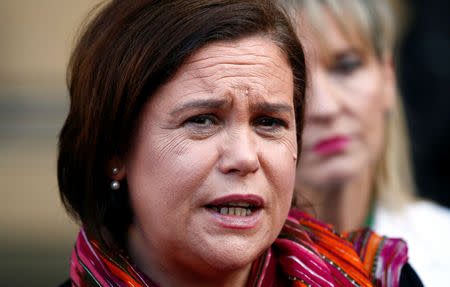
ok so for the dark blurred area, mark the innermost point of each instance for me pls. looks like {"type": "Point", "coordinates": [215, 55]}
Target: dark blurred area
{"type": "Point", "coordinates": [424, 77]}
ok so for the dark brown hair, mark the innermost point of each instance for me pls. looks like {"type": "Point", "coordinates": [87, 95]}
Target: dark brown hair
{"type": "Point", "coordinates": [128, 50]}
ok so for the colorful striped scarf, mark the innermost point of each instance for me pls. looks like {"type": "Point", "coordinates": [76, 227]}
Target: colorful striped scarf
{"type": "Point", "coordinates": [306, 253]}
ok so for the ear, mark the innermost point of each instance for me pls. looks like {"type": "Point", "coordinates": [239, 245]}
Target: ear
{"type": "Point", "coordinates": [389, 81]}
{"type": "Point", "coordinates": [115, 169]}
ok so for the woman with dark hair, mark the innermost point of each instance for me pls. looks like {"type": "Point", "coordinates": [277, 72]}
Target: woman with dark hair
{"type": "Point", "coordinates": [179, 152]}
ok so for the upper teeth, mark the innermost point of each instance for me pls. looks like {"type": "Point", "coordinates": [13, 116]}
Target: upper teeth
{"type": "Point", "coordinates": [237, 211]}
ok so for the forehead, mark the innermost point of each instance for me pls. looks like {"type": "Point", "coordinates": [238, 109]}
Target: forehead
{"type": "Point", "coordinates": [253, 63]}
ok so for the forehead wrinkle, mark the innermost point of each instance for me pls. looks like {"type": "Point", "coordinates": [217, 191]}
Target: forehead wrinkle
{"type": "Point", "coordinates": [229, 67]}
{"type": "Point", "coordinates": [257, 76]}
{"type": "Point", "coordinates": [248, 66]}
{"type": "Point", "coordinates": [250, 57]}
{"type": "Point", "coordinates": [223, 63]}
{"type": "Point", "coordinates": [232, 52]}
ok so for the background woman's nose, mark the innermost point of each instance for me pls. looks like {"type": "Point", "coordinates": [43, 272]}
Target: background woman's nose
{"type": "Point", "coordinates": [239, 153]}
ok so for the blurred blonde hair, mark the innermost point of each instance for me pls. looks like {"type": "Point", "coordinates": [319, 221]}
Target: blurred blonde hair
{"type": "Point", "coordinates": [370, 25]}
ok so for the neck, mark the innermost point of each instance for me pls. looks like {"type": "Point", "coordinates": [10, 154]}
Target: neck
{"type": "Point", "coordinates": [346, 206]}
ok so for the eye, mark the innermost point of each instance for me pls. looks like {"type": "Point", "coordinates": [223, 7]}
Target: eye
{"type": "Point", "coordinates": [269, 123]}
{"type": "Point", "coordinates": [202, 120]}
{"type": "Point", "coordinates": [346, 64]}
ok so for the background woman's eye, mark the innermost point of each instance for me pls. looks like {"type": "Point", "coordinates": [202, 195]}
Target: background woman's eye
{"type": "Point", "coordinates": [347, 64]}
{"type": "Point", "coordinates": [205, 120]}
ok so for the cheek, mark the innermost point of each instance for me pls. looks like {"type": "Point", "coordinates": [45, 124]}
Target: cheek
{"type": "Point", "coordinates": [172, 169]}
{"type": "Point", "coordinates": [371, 114]}
{"type": "Point", "coordinates": [280, 164]}
{"type": "Point", "coordinates": [163, 184]}
{"type": "Point", "coordinates": [189, 170]}
{"type": "Point", "coordinates": [370, 107]}
{"type": "Point", "coordinates": [366, 97]}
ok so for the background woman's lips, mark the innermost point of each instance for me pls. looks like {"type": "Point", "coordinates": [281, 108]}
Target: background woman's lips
{"type": "Point", "coordinates": [332, 145]}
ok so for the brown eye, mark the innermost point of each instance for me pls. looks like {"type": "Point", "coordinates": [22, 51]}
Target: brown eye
{"type": "Point", "coordinates": [269, 122]}
{"type": "Point", "coordinates": [202, 120]}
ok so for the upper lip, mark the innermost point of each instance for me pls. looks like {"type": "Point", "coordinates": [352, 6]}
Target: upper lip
{"type": "Point", "coordinates": [239, 199]}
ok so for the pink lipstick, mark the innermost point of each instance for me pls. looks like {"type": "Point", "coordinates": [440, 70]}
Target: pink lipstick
{"type": "Point", "coordinates": [332, 145]}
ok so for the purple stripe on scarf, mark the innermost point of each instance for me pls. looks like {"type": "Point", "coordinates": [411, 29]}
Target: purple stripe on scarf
{"type": "Point", "coordinates": [392, 257]}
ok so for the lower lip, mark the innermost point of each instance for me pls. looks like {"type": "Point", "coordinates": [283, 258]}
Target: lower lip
{"type": "Point", "coordinates": [332, 146]}
{"type": "Point", "coordinates": [237, 222]}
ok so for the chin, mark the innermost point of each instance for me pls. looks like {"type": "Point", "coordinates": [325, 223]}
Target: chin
{"type": "Point", "coordinates": [337, 180]}
{"type": "Point", "coordinates": [341, 175]}
{"type": "Point", "coordinates": [236, 251]}
{"type": "Point", "coordinates": [232, 257]}
{"type": "Point", "coordinates": [329, 176]}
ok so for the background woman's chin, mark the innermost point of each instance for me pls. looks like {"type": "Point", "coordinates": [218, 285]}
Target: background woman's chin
{"type": "Point", "coordinates": [333, 174]}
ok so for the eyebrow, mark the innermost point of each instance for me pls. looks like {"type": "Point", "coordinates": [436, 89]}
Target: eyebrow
{"type": "Point", "coordinates": [205, 104]}
{"type": "Point", "coordinates": [270, 107]}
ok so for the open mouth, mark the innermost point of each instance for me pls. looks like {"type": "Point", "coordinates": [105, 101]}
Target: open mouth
{"type": "Point", "coordinates": [242, 209]}
{"type": "Point", "coordinates": [237, 211]}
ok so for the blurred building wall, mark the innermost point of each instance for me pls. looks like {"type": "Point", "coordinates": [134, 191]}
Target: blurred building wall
{"type": "Point", "coordinates": [36, 235]}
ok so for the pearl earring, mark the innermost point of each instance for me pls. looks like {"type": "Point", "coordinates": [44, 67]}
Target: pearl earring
{"type": "Point", "coordinates": [115, 185]}
{"type": "Point", "coordinates": [115, 170]}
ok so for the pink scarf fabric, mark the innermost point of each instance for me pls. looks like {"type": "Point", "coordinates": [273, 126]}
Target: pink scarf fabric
{"type": "Point", "coordinates": [306, 253]}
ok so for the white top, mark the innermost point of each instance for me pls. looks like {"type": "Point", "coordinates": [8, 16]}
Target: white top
{"type": "Point", "coordinates": [425, 226]}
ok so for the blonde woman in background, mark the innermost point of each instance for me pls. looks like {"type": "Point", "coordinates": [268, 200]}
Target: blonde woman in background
{"type": "Point", "coordinates": [355, 169]}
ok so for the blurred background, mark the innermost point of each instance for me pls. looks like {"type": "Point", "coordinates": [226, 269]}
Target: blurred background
{"type": "Point", "coordinates": [36, 236]}
{"type": "Point", "coordinates": [424, 75]}
{"type": "Point", "coordinates": [36, 37]}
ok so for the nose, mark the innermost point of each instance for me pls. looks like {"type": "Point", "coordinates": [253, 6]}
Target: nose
{"type": "Point", "coordinates": [323, 102]}
{"type": "Point", "coordinates": [239, 153]}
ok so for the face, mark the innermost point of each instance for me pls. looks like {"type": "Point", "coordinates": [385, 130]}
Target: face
{"type": "Point", "coordinates": [212, 170]}
{"type": "Point", "coordinates": [349, 95]}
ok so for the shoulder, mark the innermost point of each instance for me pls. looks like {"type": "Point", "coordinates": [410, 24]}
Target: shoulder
{"type": "Point", "coordinates": [425, 207]}
{"type": "Point", "coordinates": [418, 222]}
{"type": "Point", "coordinates": [414, 215]}
{"type": "Point", "coordinates": [426, 228]}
